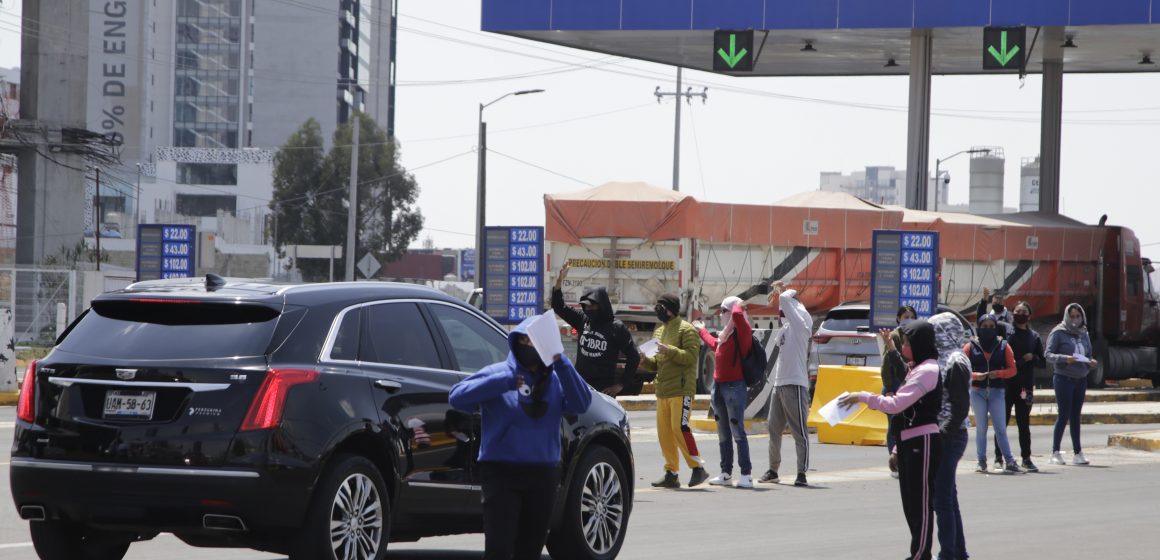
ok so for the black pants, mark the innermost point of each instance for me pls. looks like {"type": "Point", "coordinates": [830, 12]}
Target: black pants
{"type": "Point", "coordinates": [918, 461]}
{"type": "Point", "coordinates": [517, 509]}
{"type": "Point", "coordinates": [1023, 418]}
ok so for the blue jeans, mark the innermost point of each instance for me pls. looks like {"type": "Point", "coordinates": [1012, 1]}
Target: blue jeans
{"type": "Point", "coordinates": [729, 400]}
{"type": "Point", "coordinates": [990, 402]}
{"type": "Point", "coordinates": [951, 540]}
{"type": "Point", "coordinates": [1069, 396]}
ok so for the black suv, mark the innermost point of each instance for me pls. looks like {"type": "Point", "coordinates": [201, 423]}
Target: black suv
{"type": "Point", "coordinates": [303, 420]}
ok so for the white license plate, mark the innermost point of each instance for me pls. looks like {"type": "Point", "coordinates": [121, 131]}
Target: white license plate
{"type": "Point", "coordinates": [855, 360]}
{"type": "Point", "coordinates": [137, 405]}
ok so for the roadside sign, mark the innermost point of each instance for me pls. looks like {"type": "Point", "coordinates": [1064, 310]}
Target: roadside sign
{"type": "Point", "coordinates": [513, 273]}
{"type": "Point", "coordinates": [1004, 48]}
{"type": "Point", "coordinates": [467, 264]}
{"type": "Point", "coordinates": [165, 251]}
{"type": "Point", "coordinates": [368, 265]}
{"type": "Point", "coordinates": [733, 51]}
{"type": "Point", "coordinates": [904, 271]}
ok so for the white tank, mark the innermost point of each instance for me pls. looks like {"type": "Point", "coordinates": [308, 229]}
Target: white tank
{"type": "Point", "coordinates": [987, 181]}
{"type": "Point", "coordinates": [1029, 185]}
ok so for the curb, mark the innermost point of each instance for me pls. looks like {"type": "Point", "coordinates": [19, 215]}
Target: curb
{"type": "Point", "coordinates": [638, 404]}
{"type": "Point", "coordinates": [8, 399]}
{"type": "Point", "coordinates": [1141, 441]}
{"type": "Point", "coordinates": [759, 426]}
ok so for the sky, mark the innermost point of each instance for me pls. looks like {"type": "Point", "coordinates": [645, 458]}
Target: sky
{"type": "Point", "coordinates": [760, 141]}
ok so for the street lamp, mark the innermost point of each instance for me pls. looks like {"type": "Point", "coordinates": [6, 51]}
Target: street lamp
{"type": "Point", "coordinates": [938, 162]}
{"type": "Point", "coordinates": [481, 181]}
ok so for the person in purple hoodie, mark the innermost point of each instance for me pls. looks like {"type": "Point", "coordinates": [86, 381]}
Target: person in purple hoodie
{"type": "Point", "coordinates": [521, 402]}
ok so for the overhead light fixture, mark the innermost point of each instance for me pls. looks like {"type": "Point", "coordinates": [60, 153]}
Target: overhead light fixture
{"type": "Point", "coordinates": [809, 47]}
{"type": "Point", "coordinates": [1069, 43]}
{"type": "Point", "coordinates": [1147, 59]}
{"type": "Point", "coordinates": [890, 64]}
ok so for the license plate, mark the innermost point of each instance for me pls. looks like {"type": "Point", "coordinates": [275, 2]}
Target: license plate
{"type": "Point", "coordinates": [855, 360]}
{"type": "Point", "coordinates": [136, 405]}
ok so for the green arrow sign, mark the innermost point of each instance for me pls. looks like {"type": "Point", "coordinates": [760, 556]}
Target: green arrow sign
{"type": "Point", "coordinates": [733, 56]}
{"type": "Point", "coordinates": [1004, 48]}
{"type": "Point", "coordinates": [1003, 56]}
{"type": "Point", "coordinates": [733, 50]}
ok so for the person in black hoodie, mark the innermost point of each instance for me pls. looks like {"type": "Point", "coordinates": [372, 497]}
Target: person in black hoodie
{"type": "Point", "coordinates": [602, 338]}
{"type": "Point", "coordinates": [1028, 349]}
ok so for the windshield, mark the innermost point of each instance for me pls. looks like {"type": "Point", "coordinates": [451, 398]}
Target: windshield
{"type": "Point", "coordinates": [849, 320]}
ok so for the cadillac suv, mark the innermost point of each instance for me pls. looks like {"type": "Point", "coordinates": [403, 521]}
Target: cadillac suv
{"type": "Point", "coordinates": [307, 420]}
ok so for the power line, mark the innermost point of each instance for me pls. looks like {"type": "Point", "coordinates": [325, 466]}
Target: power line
{"type": "Point", "coordinates": [540, 167]}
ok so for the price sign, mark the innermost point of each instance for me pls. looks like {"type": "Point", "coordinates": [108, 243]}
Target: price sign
{"type": "Point", "coordinates": [904, 272]}
{"type": "Point", "coordinates": [165, 251]}
{"type": "Point", "coordinates": [513, 273]}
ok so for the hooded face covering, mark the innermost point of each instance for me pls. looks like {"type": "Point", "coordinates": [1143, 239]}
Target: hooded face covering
{"type": "Point", "coordinates": [988, 336]}
{"type": "Point", "coordinates": [727, 310]}
{"type": "Point", "coordinates": [663, 314]}
{"type": "Point", "coordinates": [527, 357]}
{"type": "Point", "coordinates": [997, 307]}
{"type": "Point", "coordinates": [921, 339]}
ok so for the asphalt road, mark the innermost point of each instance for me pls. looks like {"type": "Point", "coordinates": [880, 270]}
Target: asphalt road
{"type": "Point", "coordinates": [1110, 509]}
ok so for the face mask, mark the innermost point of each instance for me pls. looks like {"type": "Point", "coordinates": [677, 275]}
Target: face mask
{"type": "Point", "coordinates": [905, 322]}
{"type": "Point", "coordinates": [1075, 323]}
{"type": "Point", "coordinates": [987, 336]}
{"type": "Point", "coordinates": [527, 357]}
{"type": "Point", "coordinates": [1021, 319]}
{"type": "Point", "coordinates": [663, 314]}
{"type": "Point", "coordinates": [998, 307]}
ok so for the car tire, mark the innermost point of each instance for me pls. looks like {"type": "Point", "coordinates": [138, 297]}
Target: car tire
{"type": "Point", "coordinates": [598, 488]}
{"type": "Point", "coordinates": [349, 481]}
{"type": "Point", "coordinates": [61, 540]}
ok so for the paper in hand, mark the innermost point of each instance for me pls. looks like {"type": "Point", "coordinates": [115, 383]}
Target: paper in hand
{"type": "Point", "coordinates": [650, 348]}
{"type": "Point", "coordinates": [545, 336]}
{"type": "Point", "coordinates": [834, 413]}
{"type": "Point", "coordinates": [1081, 359]}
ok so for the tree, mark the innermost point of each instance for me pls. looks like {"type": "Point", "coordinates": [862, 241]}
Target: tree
{"type": "Point", "coordinates": [311, 190]}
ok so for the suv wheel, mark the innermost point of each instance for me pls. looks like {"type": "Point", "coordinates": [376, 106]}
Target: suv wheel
{"type": "Point", "coordinates": [595, 512]}
{"type": "Point", "coordinates": [349, 517]}
{"type": "Point", "coordinates": [60, 540]}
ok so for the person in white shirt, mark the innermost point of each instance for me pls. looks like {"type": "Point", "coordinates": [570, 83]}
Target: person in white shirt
{"type": "Point", "coordinates": [790, 400]}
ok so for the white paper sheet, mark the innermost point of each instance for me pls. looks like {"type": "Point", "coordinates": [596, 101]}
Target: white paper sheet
{"type": "Point", "coordinates": [833, 413]}
{"type": "Point", "coordinates": [650, 348]}
{"type": "Point", "coordinates": [1080, 358]}
{"type": "Point", "coordinates": [545, 335]}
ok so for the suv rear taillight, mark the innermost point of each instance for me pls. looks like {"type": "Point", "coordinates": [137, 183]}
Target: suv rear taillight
{"type": "Point", "coordinates": [266, 410]}
{"type": "Point", "coordinates": [821, 338]}
{"type": "Point", "coordinates": [26, 406]}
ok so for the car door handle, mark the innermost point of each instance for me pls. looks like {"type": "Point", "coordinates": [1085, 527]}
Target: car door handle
{"type": "Point", "coordinates": [390, 386]}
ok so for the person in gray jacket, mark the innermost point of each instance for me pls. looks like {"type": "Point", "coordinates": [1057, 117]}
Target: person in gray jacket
{"type": "Point", "coordinates": [1069, 351]}
{"type": "Point", "coordinates": [953, 422]}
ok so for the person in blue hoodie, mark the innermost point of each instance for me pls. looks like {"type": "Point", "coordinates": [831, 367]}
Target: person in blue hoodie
{"type": "Point", "coordinates": [521, 402]}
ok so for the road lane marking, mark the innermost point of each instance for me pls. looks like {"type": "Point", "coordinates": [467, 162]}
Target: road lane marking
{"type": "Point", "coordinates": [7, 425]}
{"type": "Point", "coordinates": [16, 545]}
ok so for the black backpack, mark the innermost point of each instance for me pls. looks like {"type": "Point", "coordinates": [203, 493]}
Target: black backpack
{"type": "Point", "coordinates": [754, 364]}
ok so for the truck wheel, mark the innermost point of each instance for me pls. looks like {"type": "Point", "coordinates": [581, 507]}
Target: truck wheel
{"type": "Point", "coordinates": [594, 515]}
{"type": "Point", "coordinates": [1099, 375]}
{"type": "Point", "coordinates": [705, 374]}
{"type": "Point", "coordinates": [349, 516]}
{"type": "Point", "coordinates": [60, 540]}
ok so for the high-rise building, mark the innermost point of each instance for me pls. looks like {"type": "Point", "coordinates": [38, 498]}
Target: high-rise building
{"type": "Point", "coordinates": [209, 76]}
{"type": "Point", "coordinates": [877, 184]}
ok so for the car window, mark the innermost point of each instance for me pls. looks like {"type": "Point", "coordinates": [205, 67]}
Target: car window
{"type": "Point", "coordinates": [397, 334]}
{"type": "Point", "coordinates": [346, 341]}
{"type": "Point", "coordinates": [847, 320]}
{"type": "Point", "coordinates": [474, 343]}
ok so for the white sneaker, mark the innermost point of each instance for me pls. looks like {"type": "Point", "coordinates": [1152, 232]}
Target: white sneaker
{"type": "Point", "coordinates": [723, 479]}
{"type": "Point", "coordinates": [1057, 458]}
{"type": "Point", "coordinates": [894, 474]}
{"type": "Point", "coordinates": [1079, 459]}
{"type": "Point", "coordinates": [746, 481]}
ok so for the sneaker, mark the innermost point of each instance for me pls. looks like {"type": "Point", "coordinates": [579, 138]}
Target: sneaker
{"type": "Point", "coordinates": [746, 481]}
{"type": "Point", "coordinates": [769, 477]}
{"type": "Point", "coordinates": [999, 464]}
{"type": "Point", "coordinates": [1057, 458]}
{"type": "Point", "coordinates": [670, 480]}
{"type": "Point", "coordinates": [723, 479]}
{"type": "Point", "coordinates": [1029, 466]}
{"type": "Point", "coordinates": [893, 464]}
{"type": "Point", "coordinates": [1012, 468]}
{"type": "Point", "coordinates": [698, 477]}
{"type": "Point", "coordinates": [801, 480]}
{"type": "Point", "coordinates": [1079, 459]}
{"type": "Point", "coordinates": [982, 468]}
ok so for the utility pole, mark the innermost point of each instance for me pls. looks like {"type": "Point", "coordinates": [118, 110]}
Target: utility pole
{"type": "Point", "coordinates": [688, 95]}
{"type": "Point", "coordinates": [352, 213]}
{"type": "Point", "coordinates": [140, 216]}
{"type": "Point", "coordinates": [393, 54]}
{"type": "Point", "coordinates": [97, 217]}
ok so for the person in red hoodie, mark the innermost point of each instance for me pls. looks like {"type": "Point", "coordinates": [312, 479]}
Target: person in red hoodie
{"type": "Point", "coordinates": [729, 391]}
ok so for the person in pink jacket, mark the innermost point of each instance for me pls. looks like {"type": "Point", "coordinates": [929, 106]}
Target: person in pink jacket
{"type": "Point", "coordinates": [916, 405]}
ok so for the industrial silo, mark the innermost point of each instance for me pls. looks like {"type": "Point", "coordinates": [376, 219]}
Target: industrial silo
{"type": "Point", "coordinates": [1029, 184]}
{"type": "Point", "coordinates": [987, 180]}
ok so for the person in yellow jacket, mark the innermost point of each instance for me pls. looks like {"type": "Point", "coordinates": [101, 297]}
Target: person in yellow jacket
{"type": "Point", "coordinates": [675, 364]}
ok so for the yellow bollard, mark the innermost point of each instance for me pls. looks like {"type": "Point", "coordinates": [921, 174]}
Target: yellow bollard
{"type": "Point", "coordinates": [864, 427]}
